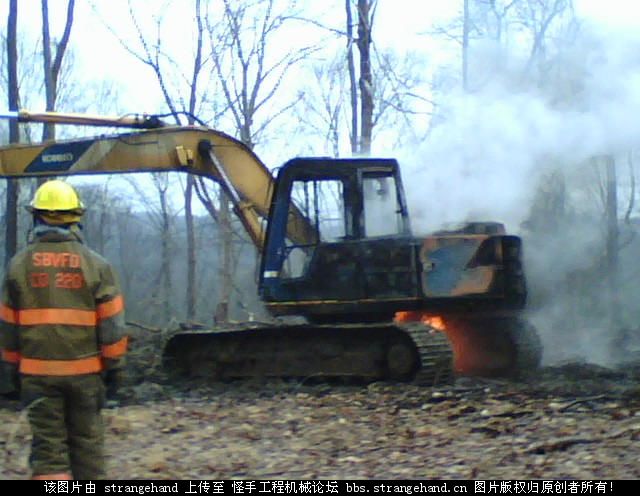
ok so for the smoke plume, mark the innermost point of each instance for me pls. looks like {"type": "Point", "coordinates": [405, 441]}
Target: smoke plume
{"type": "Point", "coordinates": [493, 147]}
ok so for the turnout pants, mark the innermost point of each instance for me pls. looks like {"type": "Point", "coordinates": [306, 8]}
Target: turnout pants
{"type": "Point", "coordinates": [66, 424]}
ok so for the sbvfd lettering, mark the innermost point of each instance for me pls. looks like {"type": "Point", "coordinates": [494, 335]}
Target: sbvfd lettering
{"type": "Point", "coordinates": [54, 259]}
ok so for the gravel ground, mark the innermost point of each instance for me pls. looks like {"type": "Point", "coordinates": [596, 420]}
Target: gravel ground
{"type": "Point", "coordinates": [577, 421]}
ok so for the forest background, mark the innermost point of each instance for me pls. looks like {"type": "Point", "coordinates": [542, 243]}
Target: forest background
{"type": "Point", "coordinates": [520, 111]}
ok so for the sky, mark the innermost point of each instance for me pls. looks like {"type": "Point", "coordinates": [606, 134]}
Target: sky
{"type": "Point", "coordinates": [612, 13]}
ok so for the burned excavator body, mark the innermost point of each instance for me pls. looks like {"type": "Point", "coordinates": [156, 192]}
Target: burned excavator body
{"type": "Point", "coordinates": [366, 266]}
{"type": "Point", "coordinates": [361, 278]}
{"type": "Point", "coordinates": [363, 263]}
{"type": "Point", "coordinates": [362, 295]}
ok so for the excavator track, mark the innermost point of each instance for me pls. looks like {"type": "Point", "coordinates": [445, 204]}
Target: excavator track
{"type": "Point", "coordinates": [506, 347]}
{"type": "Point", "coordinates": [528, 348]}
{"type": "Point", "coordinates": [364, 351]}
{"type": "Point", "coordinates": [436, 355]}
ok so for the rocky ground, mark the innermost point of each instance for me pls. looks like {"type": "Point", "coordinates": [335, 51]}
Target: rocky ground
{"type": "Point", "coordinates": [575, 421]}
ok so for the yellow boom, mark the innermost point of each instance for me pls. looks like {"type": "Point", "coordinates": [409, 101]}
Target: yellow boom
{"type": "Point", "coordinates": [159, 147]}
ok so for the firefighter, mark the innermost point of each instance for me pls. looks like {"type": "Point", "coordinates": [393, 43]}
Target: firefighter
{"type": "Point", "coordinates": [62, 336]}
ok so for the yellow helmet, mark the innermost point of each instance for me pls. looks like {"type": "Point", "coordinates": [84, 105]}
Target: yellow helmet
{"type": "Point", "coordinates": [58, 202]}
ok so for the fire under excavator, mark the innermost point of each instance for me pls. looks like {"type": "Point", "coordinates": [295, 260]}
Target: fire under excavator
{"type": "Point", "coordinates": [352, 291]}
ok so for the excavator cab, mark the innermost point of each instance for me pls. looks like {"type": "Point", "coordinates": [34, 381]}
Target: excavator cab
{"type": "Point", "coordinates": [361, 262]}
{"type": "Point", "coordinates": [361, 229]}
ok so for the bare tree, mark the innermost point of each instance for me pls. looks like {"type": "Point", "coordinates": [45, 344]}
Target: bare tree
{"type": "Point", "coordinates": [249, 69]}
{"type": "Point", "coordinates": [353, 89]}
{"type": "Point", "coordinates": [11, 215]}
{"type": "Point", "coordinates": [399, 94]}
{"type": "Point", "coordinates": [52, 69]}
{"type": "Point", "coordinates": [538, 16]}
{"type": "Point", "coordinates": [97, 221]}
{"type": "Point", "coordinates": [384, 97]}
{"type": "Point", "coordinates": [366, 9]}
{"type": "Point", "coordinates": [362, 97]}
{"type": "Point", "coordinates": [613, 244]}
{"type": "Point", "coordinates": [323, 105]}
{"type": "Point", "coordinates": [163, 217]}
{"type": "Point", "coordinates": [161, 63]}
{"type": "Point", "coordinates": [530, 22]}
{"type": "Point", "coordinates": [490, 19]}
{"type": "Point", "coordinates": [466, 21]}
{"type": "Point", "coordinates": [188, 195]}
{"type": "Point", "coordinates": [250, 74]}
{"type": "Point", "coordinates": [161, 183]}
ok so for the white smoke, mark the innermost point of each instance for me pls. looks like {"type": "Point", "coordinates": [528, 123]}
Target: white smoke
{"type": "Point", "coordinates": [486, 155]}
{"type": "Point", "coordinates": [485, 159]}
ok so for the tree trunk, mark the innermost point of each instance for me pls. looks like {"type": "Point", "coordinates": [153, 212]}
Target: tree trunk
{"type": "Point", "coordinates": [612, 243]}
{"type": "Point", "coordinates": [191, 250]}
{"type": "Point", "coordinates": [52, 69]}
{"type": "Point", "coordinates": [353, 89]}
{"type": "Point", "coordinates": [188, 194]}
{"type": "Point", "coordinates": [167, 280]}
{"type": "Point", "coordinates": [222, 310]}
{"type": "Point", "coordinates": [366, 77]}
{"type": "Point", "coordinates": [465, 47]}
{"type": "Point", "coordinates": [48, 129]}
{"type": "Point", "coordinates": [11, 213]}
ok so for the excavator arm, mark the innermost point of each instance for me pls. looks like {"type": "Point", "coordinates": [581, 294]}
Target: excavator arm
{"type": "Point", "coordinates": [157, 148]}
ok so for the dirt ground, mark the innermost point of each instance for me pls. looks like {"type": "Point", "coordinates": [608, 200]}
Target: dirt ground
{"type": "Point", "coordinates": [575, 421]}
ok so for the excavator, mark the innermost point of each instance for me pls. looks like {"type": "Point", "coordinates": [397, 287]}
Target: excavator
{"type": "Point", "coordinates": [351, 290]}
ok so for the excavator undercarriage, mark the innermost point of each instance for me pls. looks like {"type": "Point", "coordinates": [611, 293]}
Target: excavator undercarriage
{"type": "Point", "coordinates": [362, 351]}
{"type": "Point", "coordinates": [414, 352]}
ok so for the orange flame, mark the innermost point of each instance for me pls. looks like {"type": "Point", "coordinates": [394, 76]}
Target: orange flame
{"type": "Point", "coordinates": [470, 350]}
{"type": "Point", "coordinates": [434, 321]}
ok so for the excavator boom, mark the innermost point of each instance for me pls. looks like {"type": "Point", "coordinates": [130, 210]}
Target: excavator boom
{"type": "Point", "coordinates": [196, 150]}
